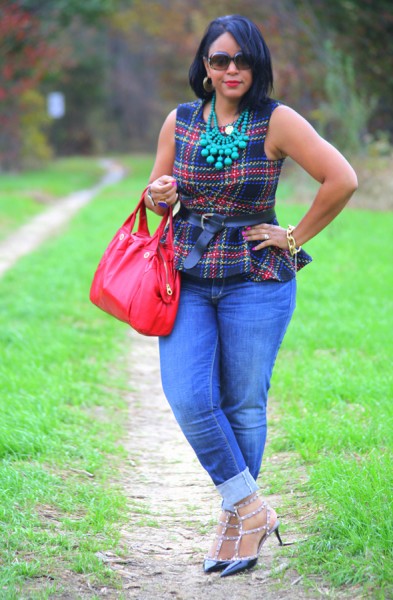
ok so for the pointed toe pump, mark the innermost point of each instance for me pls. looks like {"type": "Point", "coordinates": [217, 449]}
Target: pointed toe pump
{"type": "Point", "coordinates": [240, 563]}
{"type": "Point", "coordinates": [213, 563]}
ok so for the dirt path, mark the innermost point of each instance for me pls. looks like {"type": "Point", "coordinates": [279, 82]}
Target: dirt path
{"type": "Point", "coordinates": [173, 507]}
{"type": "Point", "coordinates": [48, 223]}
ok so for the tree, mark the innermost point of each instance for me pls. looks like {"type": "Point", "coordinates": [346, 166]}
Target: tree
{"type": "Point", "coordinates": [63, 12]}
{"type": "Point", "coordinates": [362, 29]}
{"type": "Point", "coordinates": [24, 58]}
{"type": "Point", "coordinates": [32, 48]}
{"type": "Point", "coordinates": [123, 64]}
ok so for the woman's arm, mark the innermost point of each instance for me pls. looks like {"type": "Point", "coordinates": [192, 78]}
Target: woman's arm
{"type": "Point", "coordinates": [291, 135]}
{"type": "Point", "coordinates": [162, 184]}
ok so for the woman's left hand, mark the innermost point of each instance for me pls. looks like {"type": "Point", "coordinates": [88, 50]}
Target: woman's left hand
{"type": "Point", "coordinates": [266, 235]}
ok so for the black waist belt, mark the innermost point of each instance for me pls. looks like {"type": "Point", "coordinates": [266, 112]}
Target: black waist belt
{"type": "Point", "coordinates": [212, 223]}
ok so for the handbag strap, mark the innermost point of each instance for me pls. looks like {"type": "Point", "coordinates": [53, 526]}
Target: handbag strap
{"type": "Point", "coordinates": [143, 226]}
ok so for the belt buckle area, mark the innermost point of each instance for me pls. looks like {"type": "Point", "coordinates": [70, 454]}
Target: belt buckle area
{"type": "Point", "coordinates": [203, 217]}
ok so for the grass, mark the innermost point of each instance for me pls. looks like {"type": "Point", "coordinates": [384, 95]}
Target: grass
{"type": "Point", "coordinates": [63, 410]}
{"type": "Point", "coordinates": [333, 385]}
{"type": "Point", "coordinates": [22, 197]}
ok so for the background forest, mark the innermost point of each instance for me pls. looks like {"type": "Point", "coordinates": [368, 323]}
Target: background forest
{"type": "Point", "coordinates": [122, 65]}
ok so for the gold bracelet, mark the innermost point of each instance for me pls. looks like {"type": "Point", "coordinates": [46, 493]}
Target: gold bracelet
{"type": "Point", "coordinates": [293, 249]}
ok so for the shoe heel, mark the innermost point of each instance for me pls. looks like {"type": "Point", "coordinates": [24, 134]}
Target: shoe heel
{"type": "Point", "coordinates": [280, 542]}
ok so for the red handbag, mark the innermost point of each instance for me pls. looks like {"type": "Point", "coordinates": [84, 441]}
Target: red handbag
{"type": "Point", "coordinates": [136, 281]}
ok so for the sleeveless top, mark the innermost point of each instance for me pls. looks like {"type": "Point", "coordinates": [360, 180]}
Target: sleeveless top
{"type": "Point", "coordinates": [247, 186]}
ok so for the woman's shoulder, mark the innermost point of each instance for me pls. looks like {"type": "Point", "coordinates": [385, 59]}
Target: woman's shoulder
{"type": "Point", "coordinates": [286, 116]}
{"type": "Point", "coordinates": [192, 105]}
{"type": "Point", "coordinates": [182, 110]}
{"type": "Point", "coordinates": [279, 114]}
{"type": "Point", "coordinates": [188, 108]}
{"type": "Point", "coordinates": [268, 107]}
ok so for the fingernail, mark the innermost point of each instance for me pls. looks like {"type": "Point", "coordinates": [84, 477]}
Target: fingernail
{"type": "Point", "coordinates": [248, 228]}
{"type": "Point", "coordinates": [255, 247]}
{"type": "Point", "coordinates": [244, 233]}
{"type": "Point", "coordinates": [173, 182]}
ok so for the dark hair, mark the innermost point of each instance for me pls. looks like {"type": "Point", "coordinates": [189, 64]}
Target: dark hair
{"type": "Point", "coordinates": [251, 42]}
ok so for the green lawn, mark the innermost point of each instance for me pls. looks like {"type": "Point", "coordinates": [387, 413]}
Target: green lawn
{"type": "Point", "coordinates": [333, 383]}
{"type": "Point", "coordinates": [22, 197]}
{"type": "Point", "coordinates": [63, 382]}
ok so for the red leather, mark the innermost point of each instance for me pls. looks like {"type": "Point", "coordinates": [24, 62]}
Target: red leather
{"type": "Point", "coordinates": [136, 275]}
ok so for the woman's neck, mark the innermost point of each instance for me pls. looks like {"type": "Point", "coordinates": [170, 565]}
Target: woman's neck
{"type": "Point", "coordinates": [226, 111]}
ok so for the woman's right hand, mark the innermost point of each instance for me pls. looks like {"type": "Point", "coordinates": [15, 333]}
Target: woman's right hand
{"type": "Point", "coordinates": [164, 190]}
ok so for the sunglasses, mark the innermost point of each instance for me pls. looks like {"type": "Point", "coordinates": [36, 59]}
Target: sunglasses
{"type": "Point", "coordinates": [220, 61]}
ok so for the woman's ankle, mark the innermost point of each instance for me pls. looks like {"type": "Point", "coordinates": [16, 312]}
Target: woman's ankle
{"type": "Point", "coordinates": [223, 548]}
{"type": "Point", "coordinates": [253, 510]}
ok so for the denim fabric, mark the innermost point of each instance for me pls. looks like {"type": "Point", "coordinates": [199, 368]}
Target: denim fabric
{"type": "Point", "coordinates": [216, 367]}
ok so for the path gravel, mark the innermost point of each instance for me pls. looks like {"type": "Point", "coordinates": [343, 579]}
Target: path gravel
{"type": "Point", "coordinates": [174, 506]}
{"type": "Point", "coordinates": [50, 222]}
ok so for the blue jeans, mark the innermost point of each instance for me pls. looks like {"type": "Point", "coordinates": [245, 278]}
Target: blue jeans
{"type": "Point", "coordinates": [216, 367]}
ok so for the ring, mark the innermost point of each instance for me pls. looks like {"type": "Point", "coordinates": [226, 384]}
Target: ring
{"type": "Point", "coordinates": [266, 236]}
{"type": "Point", "coordinates": [163, 204]}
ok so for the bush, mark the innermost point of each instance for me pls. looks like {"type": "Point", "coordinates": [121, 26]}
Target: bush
{"type": "Point", "coordinates": [344, 115]}
{"type": "Point", "coordinates": [35, 149]}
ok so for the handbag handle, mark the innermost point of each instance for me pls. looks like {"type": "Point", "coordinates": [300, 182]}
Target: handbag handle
{"type": "Point", "coordinates": [140, 208]}
{"type": "Point", "coordinates": [143, 226]}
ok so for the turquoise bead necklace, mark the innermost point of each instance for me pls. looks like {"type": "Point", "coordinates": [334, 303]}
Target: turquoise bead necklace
{"type": "Point", "coordinates": [222, 149]}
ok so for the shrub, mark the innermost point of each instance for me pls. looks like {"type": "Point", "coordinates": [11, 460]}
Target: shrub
{"type": "Point", "coordinates": [35, 149]}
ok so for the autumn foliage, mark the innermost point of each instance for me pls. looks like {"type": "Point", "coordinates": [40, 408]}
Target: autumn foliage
{"type": "Point", "coordinates": [122, 65]}
{"type": "Point", "coordinates": [25, 58]}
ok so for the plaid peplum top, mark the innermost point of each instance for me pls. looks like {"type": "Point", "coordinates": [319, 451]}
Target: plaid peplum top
{"type": "Point", "coordinates": [246, 187]}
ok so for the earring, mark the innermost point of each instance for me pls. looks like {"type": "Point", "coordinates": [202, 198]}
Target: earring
{"type": "Point", "coordinates": [208, 85]}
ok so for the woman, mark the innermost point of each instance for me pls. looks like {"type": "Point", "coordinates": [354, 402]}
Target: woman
{"type": "Point", "coordinates": [221, 156]}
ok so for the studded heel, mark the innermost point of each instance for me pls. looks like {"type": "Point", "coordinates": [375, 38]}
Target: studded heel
{"type": "Point", "coordinates": [241, 563]}
{"type": "Point", "coordinates": [214, 563]}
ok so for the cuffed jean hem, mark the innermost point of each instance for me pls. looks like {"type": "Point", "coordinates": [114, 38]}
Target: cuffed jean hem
{"type": "Point", "coordinates": [235, 489]}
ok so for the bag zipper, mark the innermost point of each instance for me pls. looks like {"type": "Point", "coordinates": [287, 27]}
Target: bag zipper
{"type": "Point", "coordinates": [168, 287]}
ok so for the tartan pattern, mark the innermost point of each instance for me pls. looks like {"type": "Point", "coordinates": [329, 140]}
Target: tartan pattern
{"type": "Point", "coordinates": [247, 186]}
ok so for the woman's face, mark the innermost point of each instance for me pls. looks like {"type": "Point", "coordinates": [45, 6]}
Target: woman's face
{"type": "Point", "coordinates": [233, 82]}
